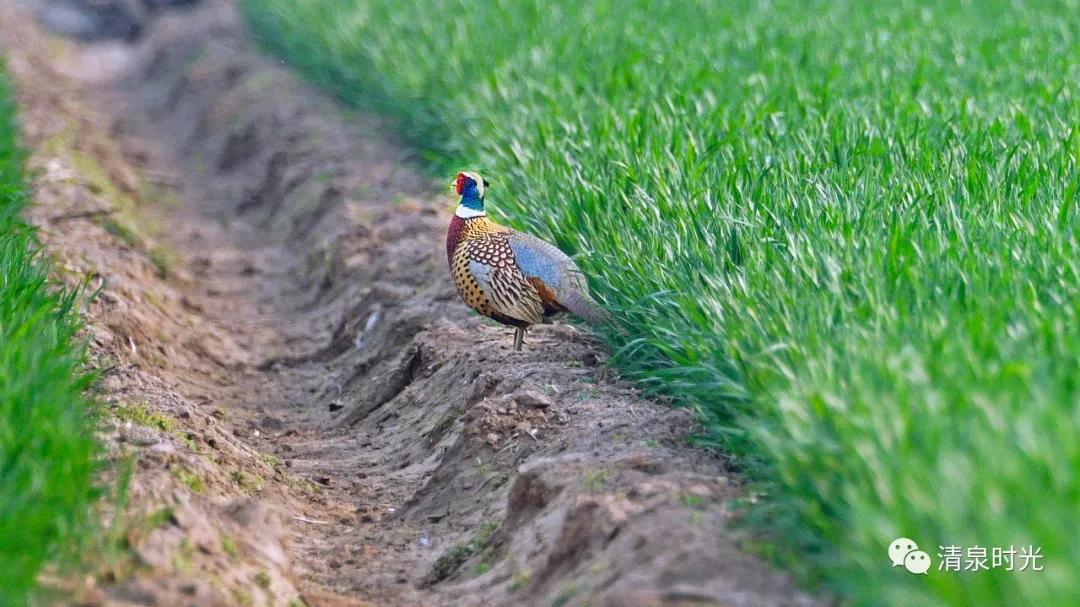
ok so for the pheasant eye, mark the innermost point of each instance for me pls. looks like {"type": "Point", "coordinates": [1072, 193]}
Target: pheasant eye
{"type": "Point", "coordinates": [486, 184]}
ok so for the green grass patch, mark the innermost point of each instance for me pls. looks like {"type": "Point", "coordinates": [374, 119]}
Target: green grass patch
{"type": "Point", "coordinates": [248, 482]}
{"type": "Point", "coordinates": [162, 259]}
{"type": "Point", "coordinates": [452, 560]}
{"type": "Point", "coordinates": [846, 232]}
{"type": "Point", "coordinates": [228, 546]}
{"type": "Point", "coordinates": [141, 415]}
{"type": "Point", "coordinates": [193, 481]}
{"type": "Point", "coordinates": [519, 581]}
{"type": "Point", "coordinates": [47, 455]}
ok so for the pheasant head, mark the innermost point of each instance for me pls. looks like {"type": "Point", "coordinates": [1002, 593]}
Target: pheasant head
{"type": "Point", "coordinates": [470, 186]}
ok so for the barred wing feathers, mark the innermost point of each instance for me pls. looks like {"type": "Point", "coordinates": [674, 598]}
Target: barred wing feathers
{"type": "Point", "coordinates": [543, 261]}
{"type": "Point", "coordinates": [507, 290]}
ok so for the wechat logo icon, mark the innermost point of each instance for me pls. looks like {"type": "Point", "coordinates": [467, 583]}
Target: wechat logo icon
{"type": "Point", "coordinates": [904, 552]}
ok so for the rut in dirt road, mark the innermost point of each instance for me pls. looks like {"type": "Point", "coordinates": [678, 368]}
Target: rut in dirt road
{"type": "Point", "coordinates": [415, 458]}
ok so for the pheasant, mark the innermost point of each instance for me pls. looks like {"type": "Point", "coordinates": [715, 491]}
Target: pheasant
{"type": "Point", "coordinates": [511, 277]}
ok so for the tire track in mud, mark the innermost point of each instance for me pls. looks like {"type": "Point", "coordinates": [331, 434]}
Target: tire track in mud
{"type": "Point", "coordinates": [320, 363]}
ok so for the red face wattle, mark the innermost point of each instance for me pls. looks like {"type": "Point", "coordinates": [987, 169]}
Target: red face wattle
{"type": "Point", "coordinates": [460, 182]}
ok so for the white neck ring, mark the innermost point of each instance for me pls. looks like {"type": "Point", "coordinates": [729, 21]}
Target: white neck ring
{"type": "Point", "coordinates": [465, 212]}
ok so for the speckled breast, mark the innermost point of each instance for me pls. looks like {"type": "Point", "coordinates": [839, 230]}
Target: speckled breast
{"type": "Point", "coordinates": [462, 232]}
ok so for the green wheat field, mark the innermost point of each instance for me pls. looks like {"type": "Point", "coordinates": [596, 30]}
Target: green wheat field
{"type": "Point", "coordinates": [47, 457]}
{"type": "Point", "coordinates": [847, 233]}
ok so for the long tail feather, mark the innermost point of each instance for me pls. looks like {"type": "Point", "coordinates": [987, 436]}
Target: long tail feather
{"type": "Point", "coordinates": [584, 306]}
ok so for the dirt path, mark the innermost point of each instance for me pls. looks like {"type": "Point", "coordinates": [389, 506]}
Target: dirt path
{"type": "Point", "coordinates": [309, 404]}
